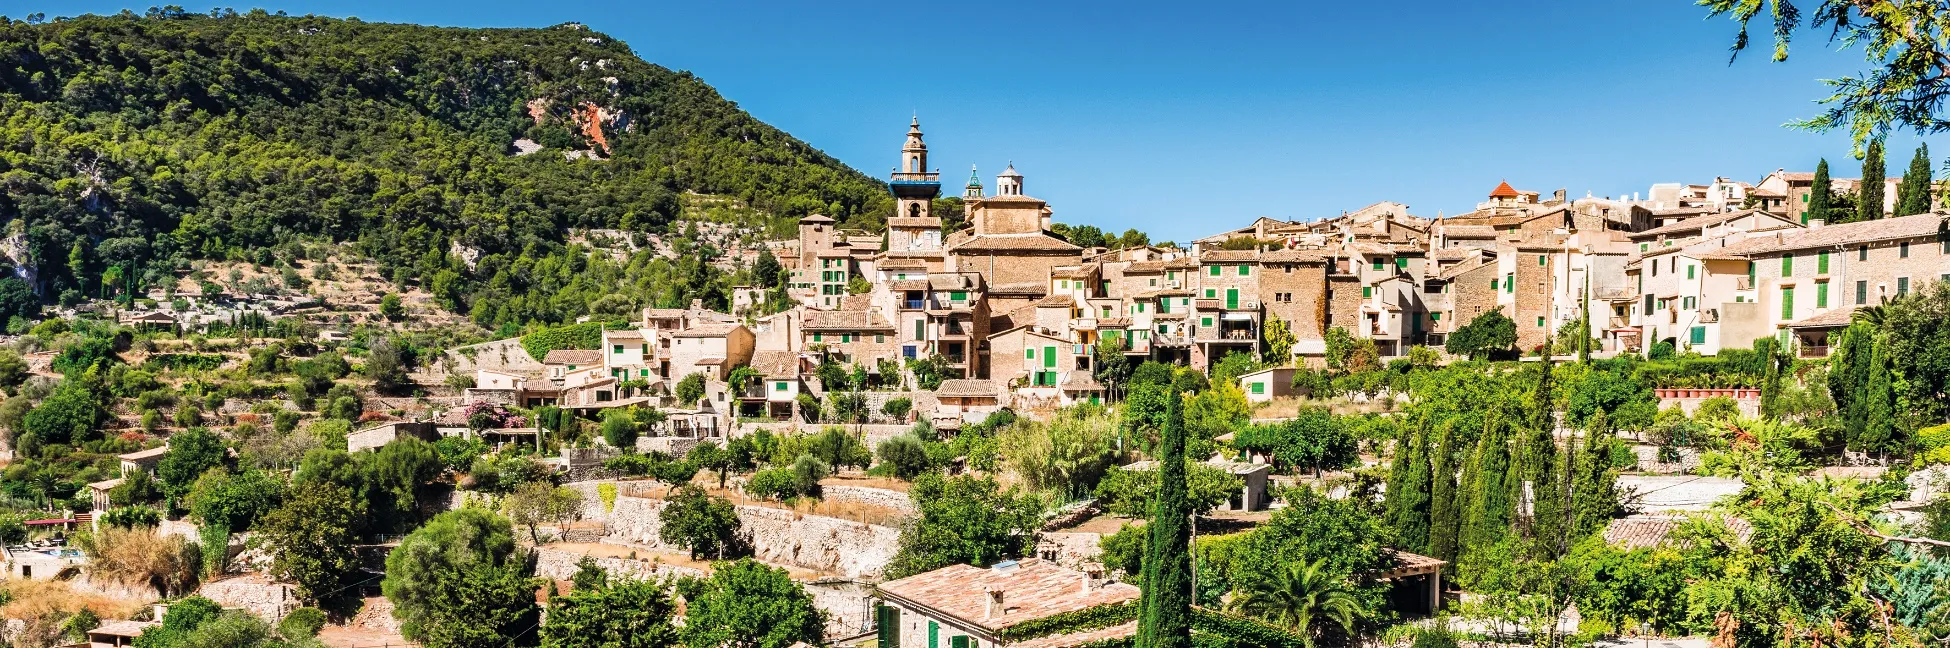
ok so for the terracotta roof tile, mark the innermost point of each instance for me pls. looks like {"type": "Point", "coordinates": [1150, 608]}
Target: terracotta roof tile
{"type": "Point", "coordinates": [846, 321]}
{"type": "Point", "coordinates": [1503, 190]}
{"type": "Point", "coordinates": [1036, 589]}
{"type": "Point", "coordinates": [578, 357]}
{"type": "Point", "coordinates": [963, 388]}
{"type": "Point", "coordinates": [777, 364]}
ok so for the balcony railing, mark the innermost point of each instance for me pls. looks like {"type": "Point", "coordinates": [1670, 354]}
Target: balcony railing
{"type": "Point", "coordinates": [914, 304]}
{"type": "Point", "coordinates": [955, 358]}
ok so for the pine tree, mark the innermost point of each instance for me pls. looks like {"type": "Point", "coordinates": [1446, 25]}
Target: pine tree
{"type": "Point", "coordinates": [1594, 489]}
{"type": "Point", "coordinates": [1408, 490]}
{"type": "Point", "coordinates": [1913, 195]}
{"type": "Point", "coordinates": [1165, 619]}
{"type": "Point", "coordinates": [1868, 196]}
{"type": "Point", "coordinates": [1820, 198]}
{"type": "Point", "coordinates": [1444, 516]}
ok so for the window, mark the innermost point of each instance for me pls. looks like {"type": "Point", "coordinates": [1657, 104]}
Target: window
{"type": "Point", "coordinates": [879, 337]}
{"type": "Point", "coordinates": [1861, 293]}
{"type": "Point", "coordinates": [779, 386]}
{"type": "Point", "coordinates": [1510, 283]}
{"type": "Point", "coordinates": [1821, 262]}
{"type": "Point", "coordinates": [1214, 271]}
{"type": "Point", "coordinates": [1401, 264]}
{"type": "Point", "coordinates": [1655, 267]}
{"type": "Point", "coordinates": [1787, 265]}
{"type": "Point", "coordinates": [1211, 293]}
{"type": "Point", "coordinates": [1862, 253]}
{"type": "Point", "coordinates": [1367, 292]}
{"type": "Point", "coordinates": [1245, 271]}
{"type": "Point", "coordinates": [1152, 281]}
{"type": "Point", "coordinates": [817, 337]}
{"type": "Point", "coordinates": [1377, 264]}
{"type": "Point", "coordinates": [1902, 286]}
{"type": "Point", "coordinates": [616, 348]}
{"type": "Point", "coordinates": [1540, 320]}
{"type": "Point", "coordinates": [1029, 353]}
{"type": "Point", "coordinates": [1062, 284]}
{"type": "Point", "coordinates": [1698, 335]}
{"type": "Point", "coordinates": [958, 295]}
{"type": "Point", "coordinates": [1787, 302]}
{"type": "Point", "coordinates": [1205, 321]}
{"type": "Point", "coordinates": [1821, 294]}
{"type": "Point", "coordinates": [1541, 260]}
{"type": "Point", "coordinates": [1686, 303]}
{"type": "Point", "coordinates": [921, 329]}
{"type": "Point", "coordinates": [1435, 317]}
{"type": "Point", "coordinates": [1902, 250]}
{"type": "Point", "coordinates": [1643, 247]}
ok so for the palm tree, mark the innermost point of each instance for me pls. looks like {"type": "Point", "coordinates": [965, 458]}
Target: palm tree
{"type": "Point", "coordinates": [1298, 596]}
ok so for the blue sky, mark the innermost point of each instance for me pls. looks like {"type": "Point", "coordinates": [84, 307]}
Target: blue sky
{"type": "Point", "coordinates": [1181, 119]}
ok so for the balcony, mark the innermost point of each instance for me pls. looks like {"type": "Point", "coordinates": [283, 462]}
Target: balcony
{"type": "Point", "coordinates": [755, 390]}
{"type": "Point", "coordinates": [955, 358]}
{"type": "Point", "coordinates": [914, 304]}
{"type": "Point", "coordinates": [955, 329]}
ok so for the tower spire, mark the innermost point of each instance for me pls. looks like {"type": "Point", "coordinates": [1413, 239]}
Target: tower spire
{"type": "Point", "coordinates": [914, 187]}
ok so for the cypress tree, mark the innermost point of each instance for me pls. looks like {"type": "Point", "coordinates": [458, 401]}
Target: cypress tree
{"type": "Point", "coordinates": [1848, 372]}
{"type": "Point", "coordinates": [1444, 516]}
{"type": "Point", "coordinates": [1584, 322]}
{"type": "Point", "coordinates": [1820, 198]}
{"type": "Point", "coordinates": [1913, 195]}
{"type": "Point", "coordinates": [1490, 485]}
{"type": "Point", "coordinates": [1868, 196]}
{"type": "Point", "coordinates": [1165, 609]}
{"type": "Point", "coordinates": [1768, 350]}
{"type": "Point", "coordinates": [1594, 491]}
{"type": "Point", "coordinates": [1540, 469]}
{"type": "Point", "coordinates": [1408, 490]}
{"type": "Point", "coordinates": [1879, 404]}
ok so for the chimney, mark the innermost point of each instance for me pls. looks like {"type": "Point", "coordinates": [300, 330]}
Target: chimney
{"type": "Point", "coordinates": [697, 304]}
{"type": "Point", "coordinates": [994, 609]}
{"type": "Point", "coordinates": [1558, 195]}
{"type": "Point", "coordinates": [1093, 575]}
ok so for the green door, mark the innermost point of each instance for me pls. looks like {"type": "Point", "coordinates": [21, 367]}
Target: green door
{"type": "Point", "coordinates": [1232, 298]}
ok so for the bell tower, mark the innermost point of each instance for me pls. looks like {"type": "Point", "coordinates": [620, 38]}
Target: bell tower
{"type": "Point", "coordinates": [974, 189]}
{"type": "Point", "coordinates": [914, 187]}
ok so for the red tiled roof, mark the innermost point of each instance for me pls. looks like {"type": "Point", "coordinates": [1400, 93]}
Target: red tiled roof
{"type": "Point", "coordinates": [1036, 589]}
{"type": "Point", "coordinates": [1503, 190]}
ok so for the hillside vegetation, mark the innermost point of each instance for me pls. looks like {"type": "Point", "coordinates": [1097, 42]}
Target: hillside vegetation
{"type": "Point", "coordinates": [135, 143]}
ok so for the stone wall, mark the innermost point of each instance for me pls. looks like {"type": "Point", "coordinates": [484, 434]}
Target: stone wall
{"type": "Point", "coordinates": [558, 564]}
{"type": "Point", "coordinates": [1070, 549]}
{"type": "Point", "coordinates": [848, 605]}
{"type": "Point", "coordinates": [1689, 400]}
{"type": "Point", "coordinates": [831, 545]}
{"type": "Point", "coordinates": [1648, 457]}
{"type": "Point", "coordinates": [881, 497]}
{"type": "Point", "coordinates": [255, 594]}
{"type": "Point", "coordinates": [673, 446]}
{"type": "Point", "coordinates": [873, 433]}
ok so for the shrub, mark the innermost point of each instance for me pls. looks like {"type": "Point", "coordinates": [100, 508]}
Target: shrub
{"type": "Point", "coordinates": [772, 483]}
{"type": "Point", "coordinates": [302, 623]}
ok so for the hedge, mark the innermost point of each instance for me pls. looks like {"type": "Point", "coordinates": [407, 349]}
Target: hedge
{"type": "Point", "coordinates": [587, 335]}
{"type": "Point", "coordinates": [1102, 616]}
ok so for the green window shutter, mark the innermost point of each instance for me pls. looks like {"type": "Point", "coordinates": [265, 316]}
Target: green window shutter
{"type": "Point", "coordinates": [1541, 260]}
{"type": "Point", "coordinates": [1750, 275]}
{"type": "Point", "coordinates": [1540, 320]}
{"type": "Point", "coordinates": [1862, 253]}
{"type": "Point", "coordinates": [1787, 302]}
{"type": "Point", "coordinates": [958, 295]}
{"type": "Point", "coordinates": [1821, 295]}
{"type": "Point", "coordinates": [1049, 356]}
{"type": "Point", "coordinates": [879, 337]}
{"type": "Point", "coordinates": [1821, 263]}
{"type": "Point", "coordinates": [959, 641]}
{"type": "Point", "coordinates": [1787, 265]}
{"type": "Point", "coordinates": [779, 386]}
{"type": "Point", "coordinates": [1232, 298]}
{"type": "Point", "coordinates": [1689, 271]}
{"type": "Point", "coordinates": [1902, 250]}
{"type": "Point", "coordinates": [1259, 388]}
{"type": "Point", "coordinates": [1401, 264]}
{"type": "Point", "coordinates": [1510, 283]}
{"type": "Point", "coordinates": [1699, 335]}
{"type": "Point", "coordinates": [1211, 292]}
{"type": "Point", "coordinates": [1435, 317]}
{"type": "Point", "coordinates": [616, 348]}
{"type": "Point", "coordinates": [934, 634]}
{"type": "Point", "coordinates": [1902, 286]}
{"type": "Point", "coordinates": [1861, 293]}
{"type": "Point", "coordinates": [1205, 321]}
{"type": "Point", "coordinates": [1213, 270]}
{"type": "Point", "coordinates": [920, 329]}
{"type": "Point", "coordinates": [1367, 291]}
{"type": "Point", "coordinates": [1377, 264]}
{"type": "Point", "coordinates": [1029, 353]}
{"type": "Point", "coordinates": [889, 618]}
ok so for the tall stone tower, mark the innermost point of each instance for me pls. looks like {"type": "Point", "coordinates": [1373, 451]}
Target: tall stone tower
{"type": "Point", "coordinates": [914, 187]}
{"type": "Point", "coordinates": [1009, 182]}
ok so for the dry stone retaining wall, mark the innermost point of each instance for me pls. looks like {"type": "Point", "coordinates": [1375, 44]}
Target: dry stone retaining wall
{"type": "Point", "coordinates": [262, 598]}
{"type": "Point", "coordinates": [831, 545]}
{"type": "Point", "coordinates": [558, 564]}
{"type": "Point", "coordinates": [881, 497]}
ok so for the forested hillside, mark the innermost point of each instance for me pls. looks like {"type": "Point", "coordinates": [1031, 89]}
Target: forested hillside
{"type": "Point", "coordinates": [133, 144]}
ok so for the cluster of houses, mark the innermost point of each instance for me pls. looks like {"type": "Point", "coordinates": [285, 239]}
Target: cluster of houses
{"type": "Point", "coordinates": [1016, 314]}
